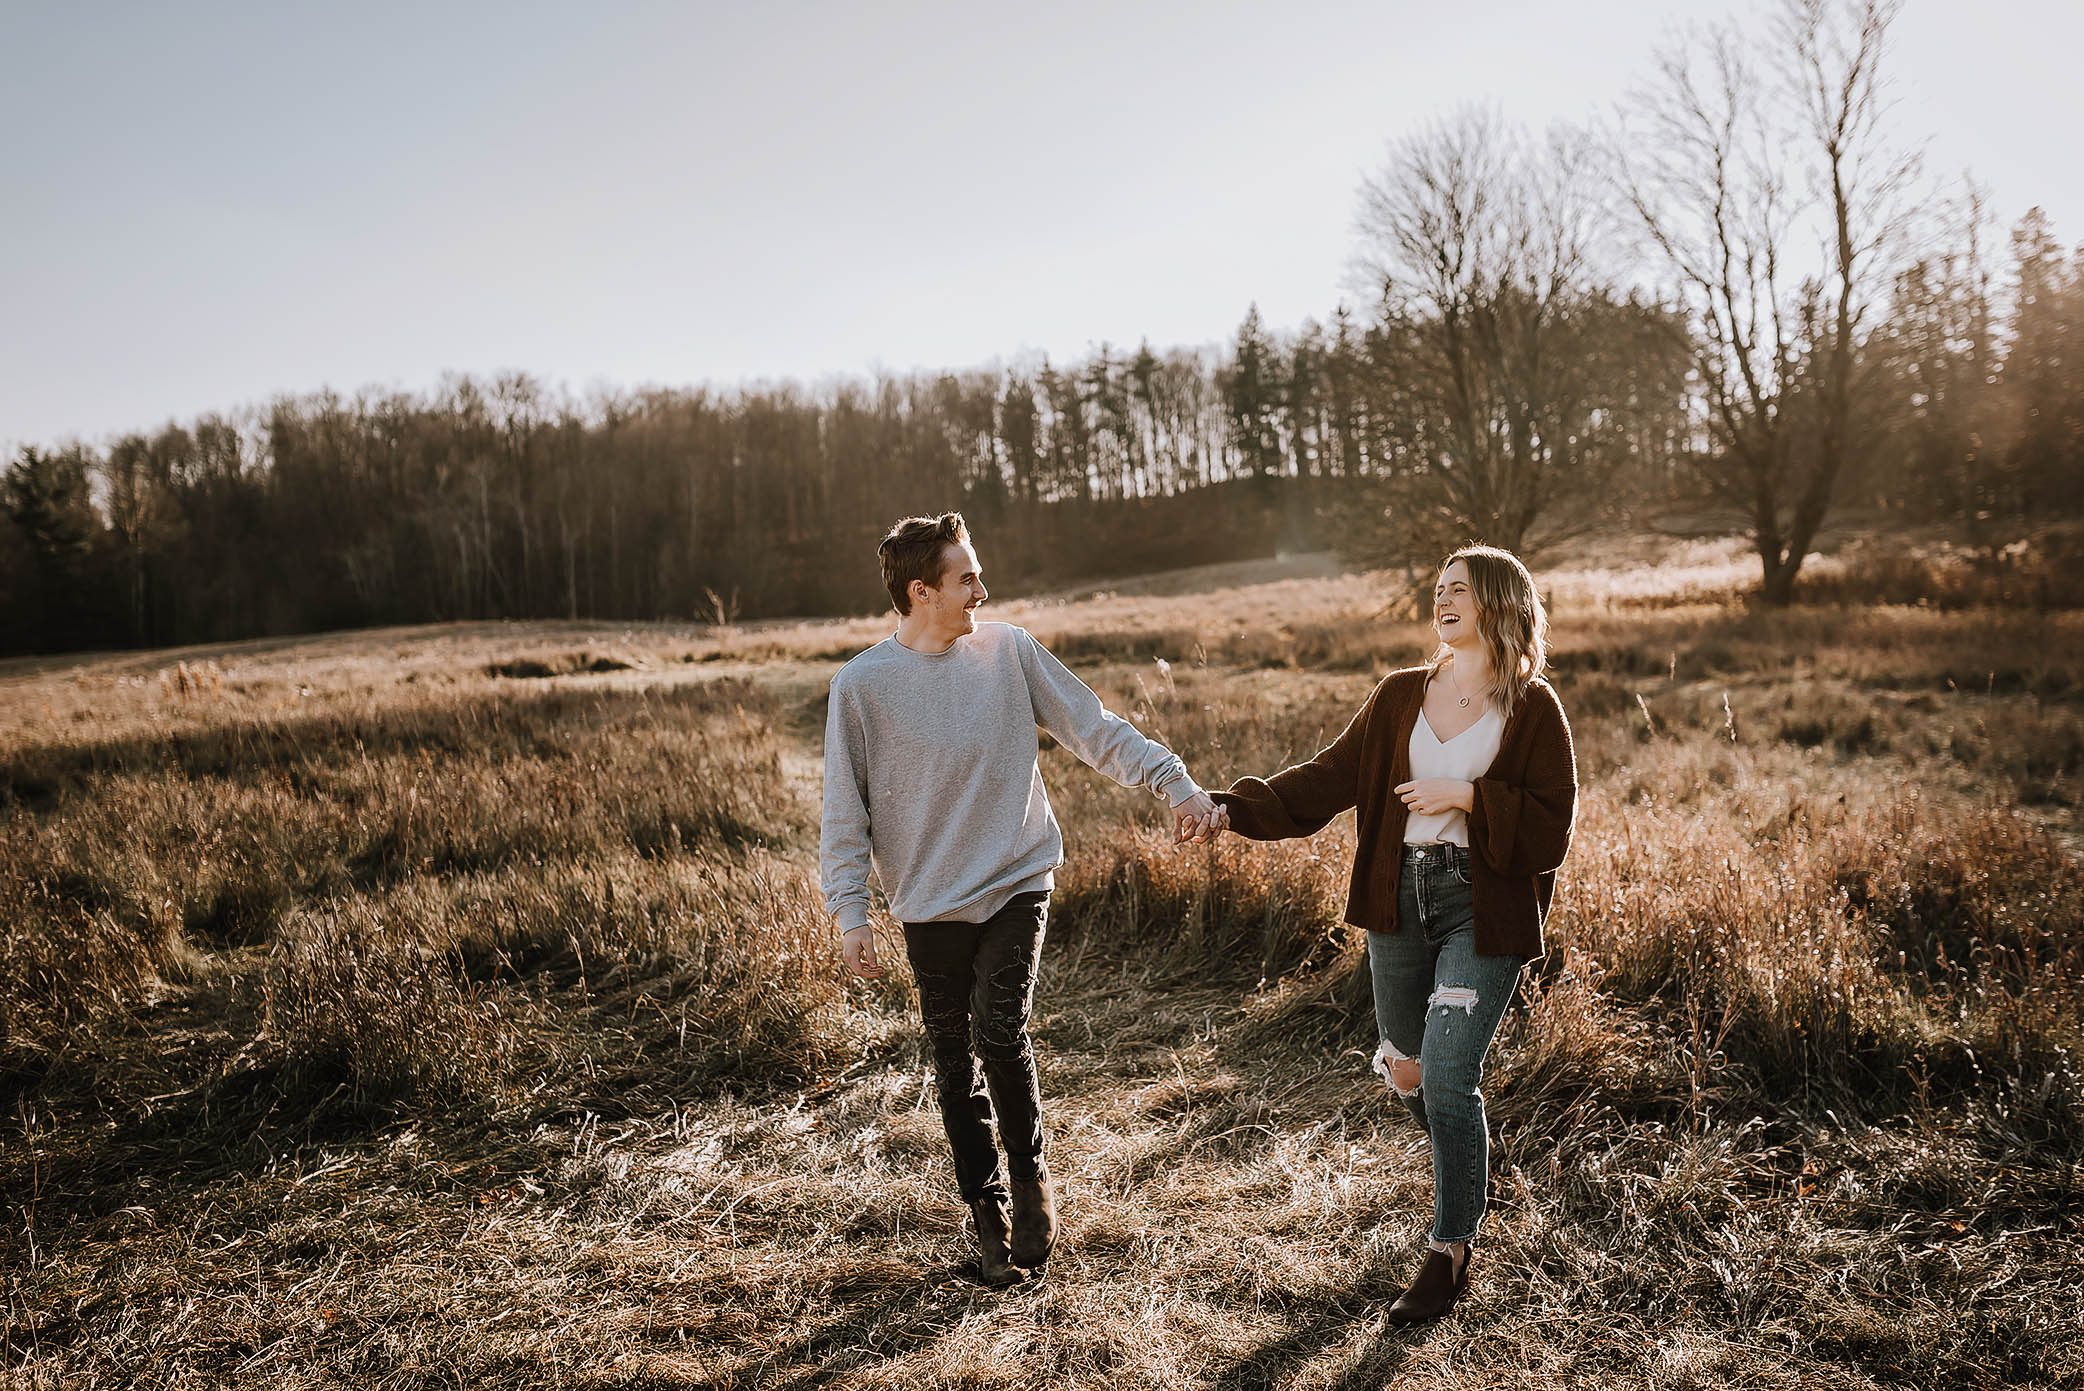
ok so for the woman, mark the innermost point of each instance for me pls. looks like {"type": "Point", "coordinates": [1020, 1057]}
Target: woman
{"type": "Point", "coordinates": [1465, 784]}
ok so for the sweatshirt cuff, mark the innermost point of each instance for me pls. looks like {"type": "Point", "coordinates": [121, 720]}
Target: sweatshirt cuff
{"type": "Point", "coordinates": [851, 916]}
{"type": "Point", "coordinates": [1180, 789]}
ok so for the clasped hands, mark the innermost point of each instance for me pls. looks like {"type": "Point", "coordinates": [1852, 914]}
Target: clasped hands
{"type": "Point", "coordinates": [1198, 819]}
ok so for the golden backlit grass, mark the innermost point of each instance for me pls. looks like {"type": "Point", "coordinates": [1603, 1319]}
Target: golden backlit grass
{"type": "Point", "coordinates": [453, 1006]}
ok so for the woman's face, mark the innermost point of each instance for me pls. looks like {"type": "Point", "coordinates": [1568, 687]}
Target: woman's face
{"type": "Point", "coordinates": [1454, 607]}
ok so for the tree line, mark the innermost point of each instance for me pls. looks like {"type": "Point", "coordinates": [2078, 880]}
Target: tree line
{"type": "Point", "coordinates": [1741, 294]}
{"type": "Point", "coordinates": [505, 499]}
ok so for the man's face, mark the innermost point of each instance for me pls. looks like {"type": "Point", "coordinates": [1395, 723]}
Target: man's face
{"type": "Point", "coordinates": [952, 604]}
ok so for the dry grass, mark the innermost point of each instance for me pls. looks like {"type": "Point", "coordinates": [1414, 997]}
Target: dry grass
{"type": "Point", "coordinates": [375, 1017]}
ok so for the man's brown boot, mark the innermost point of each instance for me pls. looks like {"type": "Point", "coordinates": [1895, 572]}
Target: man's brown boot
{"type": "Point", "coordinates": [993, 1229]}
{"type": "Point", "coordinates": [1034, 1218]}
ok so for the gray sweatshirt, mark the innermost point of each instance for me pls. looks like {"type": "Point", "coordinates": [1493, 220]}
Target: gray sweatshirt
{"type": "Point", "coordinates": [930, 772]}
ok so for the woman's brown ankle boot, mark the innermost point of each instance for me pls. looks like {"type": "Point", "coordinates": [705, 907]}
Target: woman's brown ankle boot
{"type": "Point", "coordinates": [1439, 1284]}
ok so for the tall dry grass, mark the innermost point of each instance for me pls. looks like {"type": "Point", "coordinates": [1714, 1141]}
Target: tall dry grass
{"type": "Point", "coordinates": [373, 875]}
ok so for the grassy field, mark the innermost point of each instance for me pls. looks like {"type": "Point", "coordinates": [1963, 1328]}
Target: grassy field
{"type": "Point", "coordinates": [453, 1007]}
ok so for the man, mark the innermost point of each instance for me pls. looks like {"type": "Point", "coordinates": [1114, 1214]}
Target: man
{"type": "Point", "coordinates": [931, 776]}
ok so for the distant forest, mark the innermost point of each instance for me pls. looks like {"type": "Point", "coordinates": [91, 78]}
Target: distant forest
{"type": "Point", "coordinates": [1817, 330]}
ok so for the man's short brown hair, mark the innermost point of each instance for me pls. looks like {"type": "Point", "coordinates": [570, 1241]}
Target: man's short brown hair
{"type": "Point", "coordinates": [912, 550]}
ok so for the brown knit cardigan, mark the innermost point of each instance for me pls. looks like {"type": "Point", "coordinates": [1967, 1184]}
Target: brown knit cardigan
{"type": "Point", "coordinates": [1518, 832]}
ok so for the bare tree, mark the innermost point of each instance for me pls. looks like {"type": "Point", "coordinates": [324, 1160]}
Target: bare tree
{"type": "Point", "coordinates": [1480, 246]}
{"type": "Point", "coordinates": [1769, 185]}
{"type": "Point", "coordinates": [135, 502]}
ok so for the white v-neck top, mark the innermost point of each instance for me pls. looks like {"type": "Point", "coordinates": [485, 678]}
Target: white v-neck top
{"type": "Point", "coordinates": [1465, 758]}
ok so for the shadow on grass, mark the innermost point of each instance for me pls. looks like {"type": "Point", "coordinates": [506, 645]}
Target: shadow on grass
{"type": "Point", "coordinates": [1274, 1363]}
{"type": "Point", "coordinates": [903, 1320]}
{"type": "Point", "coordinates": [154, 1119]}
{"type": "Point", "coordinates": [235, 1129]}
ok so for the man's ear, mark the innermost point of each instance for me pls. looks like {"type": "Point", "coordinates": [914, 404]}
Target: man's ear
{"type": "Point", "coordinates": [917, 592]}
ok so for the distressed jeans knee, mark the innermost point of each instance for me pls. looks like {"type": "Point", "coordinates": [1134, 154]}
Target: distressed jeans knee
{"type": "Point", "coordinates": [1004, 1046]}
{"type": "Point", "coordinates": [1401, 1071]}
{"type": "Point", "coordinates": [1458, 997]}
{"type": "Point", "coordinates": [999, 1027]}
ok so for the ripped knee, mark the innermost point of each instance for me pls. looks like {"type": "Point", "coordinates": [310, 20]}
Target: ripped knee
{"type": "Point", "coordinates": [998, 1045]}
{"type": "Point", "coordinates": [1400, 1070]}
{"type": "Point", "coordinates": [1459, 997]}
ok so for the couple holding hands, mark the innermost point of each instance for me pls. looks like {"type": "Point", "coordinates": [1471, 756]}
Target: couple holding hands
{"type": "Point", "coordinates": [1460, 772]}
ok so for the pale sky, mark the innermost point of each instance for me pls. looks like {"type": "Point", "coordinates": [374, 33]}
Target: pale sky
{"type": "Point", "coordinates": [206, 205]}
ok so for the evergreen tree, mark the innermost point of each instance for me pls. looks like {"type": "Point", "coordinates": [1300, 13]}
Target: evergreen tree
{"type": "Point", "coordinates": [1252, 391]}
{"type": "Point", "coordinates": [46, 495]}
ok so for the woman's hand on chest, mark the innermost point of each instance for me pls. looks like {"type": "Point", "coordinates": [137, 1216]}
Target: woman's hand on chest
{"type": "Point", "coordinates": [1433, 796]}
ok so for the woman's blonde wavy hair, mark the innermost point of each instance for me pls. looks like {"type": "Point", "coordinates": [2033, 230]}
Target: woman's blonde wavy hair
{"type": "Point", "coordinates": [1510, 619]}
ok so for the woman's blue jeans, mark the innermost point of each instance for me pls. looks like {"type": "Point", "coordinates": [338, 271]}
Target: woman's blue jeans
{"type": "Point", "coordinates": [1436, 1000]}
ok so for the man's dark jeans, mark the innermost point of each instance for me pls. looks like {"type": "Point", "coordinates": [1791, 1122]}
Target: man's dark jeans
{"type": "Point", "coordinates": [976, 986]}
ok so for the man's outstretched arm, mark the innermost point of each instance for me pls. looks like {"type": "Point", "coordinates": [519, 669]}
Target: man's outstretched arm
{"type": "Point", "coordinates": [1075, 718]}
